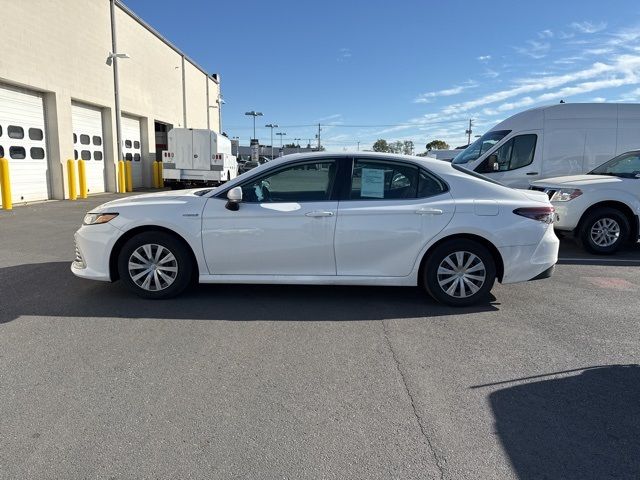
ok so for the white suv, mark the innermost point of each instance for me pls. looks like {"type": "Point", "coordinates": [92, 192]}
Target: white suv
{"type": "Point", "coordinates": [600, 208]}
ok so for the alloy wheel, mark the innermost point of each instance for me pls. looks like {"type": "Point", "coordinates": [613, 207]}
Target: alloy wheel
{"type": "Point", "coordinates": [605, 232]}
{"type": "Point", "coordinates": [461, 274]}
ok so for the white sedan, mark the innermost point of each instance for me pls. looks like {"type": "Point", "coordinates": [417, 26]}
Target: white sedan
{"type": "Point", "coordinates": [600, 208]}
{"type": "Point", "coordinates": [365, 219]}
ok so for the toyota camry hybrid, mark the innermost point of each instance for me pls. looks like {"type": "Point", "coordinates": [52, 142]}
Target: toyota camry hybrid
{"type": "Point", "coordinates": [331, 219]}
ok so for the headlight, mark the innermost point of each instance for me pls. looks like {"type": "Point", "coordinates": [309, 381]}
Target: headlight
{"type": "Point", "coordinates": [98, 218]}
{"type": "Point", "coordinates": [566, 194]}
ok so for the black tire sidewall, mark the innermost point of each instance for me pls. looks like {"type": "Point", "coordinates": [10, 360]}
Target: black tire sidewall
{"type": "Point", "coordinates": [170, 242]}
{"type": "Point", "coordinates": [591, 219]}
{"type": "Point", "coordinates": [430, 277]}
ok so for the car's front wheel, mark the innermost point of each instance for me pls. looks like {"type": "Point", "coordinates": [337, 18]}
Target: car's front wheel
{"type": "Point", "coordinates": [604, 231]}
{"type": "Point", "coordinates": [155, 265]}
{"type": "Point", "coordinates": [459, 272]}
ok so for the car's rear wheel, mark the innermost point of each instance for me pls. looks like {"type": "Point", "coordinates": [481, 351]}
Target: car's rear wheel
{"type": "Point", "coordinates": [604, 231]}
{"type": "Point", "coordinates": [459, 272]}
{"type": "Point", "coordinates": [155, 265]}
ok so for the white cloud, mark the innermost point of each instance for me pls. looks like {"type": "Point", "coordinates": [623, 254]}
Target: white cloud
{"type": "Point", "coordinates": [489, 73]}
{"type": "Point", "coordinates": [598, 99]}
{"type": "Point", "coordinates": [484, 58]}
{"type": "Point", "coordinates": [447, 92]}
{"type": "Point", "coordinates": [534, 49]}
{"type": "Point", "coordinates": [588, 27]}
{"type": "Point", "coordinates": [545, 34]}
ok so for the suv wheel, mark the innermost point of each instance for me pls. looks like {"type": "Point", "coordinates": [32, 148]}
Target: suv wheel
{"type": "Point", "coordinates": [459, 272]}
{"type": "Point", "coordinates": [155, 265]}
{"type": "Point", "coordinates": [604, 231]}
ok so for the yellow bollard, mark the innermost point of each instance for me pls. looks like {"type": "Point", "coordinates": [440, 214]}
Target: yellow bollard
{"type": "Point", "coordinates": [5, 184]}
{"type": "Point", "coordinates": [129, 178]}
{"type": "Point", "coordinates": [160, 173]}
{"type": "Point", "coordinates": [154, 173]}
{"type": "Point", "coordinates": [71, 179]}
{"type": "Point", "coordinates": [82, 179]}
{"type": "Point", "coordinates": [121, 178]}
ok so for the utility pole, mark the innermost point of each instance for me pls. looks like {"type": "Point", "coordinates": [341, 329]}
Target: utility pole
{"type": "Point", "coordinates": [469, 131]}
{"type": "Point", "coordinates": [272, 126]}
{"type": "Point", "coordinates": [319, 144]}
{"type": "Point", "coordinates": [281, 134]}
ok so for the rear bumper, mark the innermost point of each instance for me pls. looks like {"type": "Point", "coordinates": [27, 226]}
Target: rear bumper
{"type": "Point", "coordinates": [528, 262]}
{"type": "Point", "coordinates": [546, 274]}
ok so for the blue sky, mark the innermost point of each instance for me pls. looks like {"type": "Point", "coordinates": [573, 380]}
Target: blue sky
{"type": "Point", "coordinates": [404, 70]}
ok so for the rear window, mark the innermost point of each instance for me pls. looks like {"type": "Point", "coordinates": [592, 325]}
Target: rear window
{"type": "Point", "coordinates": [476, 175]}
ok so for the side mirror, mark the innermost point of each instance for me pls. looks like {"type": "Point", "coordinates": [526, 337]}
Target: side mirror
{"type": "Point", "coordinates": [234, 197]}
{"type": "Point", "coordinates": [492, 163]}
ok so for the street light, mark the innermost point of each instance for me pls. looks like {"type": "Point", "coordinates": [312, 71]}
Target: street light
{"type": "Point", "coordinates": [298, 140]}
{"type": "Point", "coordinates": [281, 135]}
{"type": "Point", "coordinates": [254, 114]}
{"type": "Point", "coordinates": [272, 126]}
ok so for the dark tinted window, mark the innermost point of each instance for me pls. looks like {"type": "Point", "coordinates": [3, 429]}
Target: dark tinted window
{"type": "Point", "coordinates": [75, 154]}
{"type": "Point", "coordinates": [308, 182]}
{"type": "Point", "coordinates": [429, 185]}
{"type": "Point", "coordinates": [97, 155]}
{"type": "Point", "coordinates": [128, 156]}
{"type": "Point", "coordinates": [85, 155]}
{"type": "Point", "coordinates": [127, 143]}
{"type": "Point", "coordinates": [97, 140]}
{"type": "Point", "coordinates": [136, 144]}
{"type": "Point", "coordinates": [1, 151]}
{"type": "Point", "coordinates": [84, 139]}
{"type": "Point", "coordinates": [0, 130]}
{"type": "Point", "coordinates": [136, 157]}
{"type": "Point", "coordinates": [75, 138]}
{"type": "Point", "coordinates": [36, 153]}
{"type": "Point", "coordinates": [380, 179]}
{"type": "Point", "coordinates": [15, 132]}
{"type": "Point", "coordinates": [36, 134]}
{"type": "Point", "coordinates": [517, 152]}
{"type": "Point", "coordinates": [17, 153]}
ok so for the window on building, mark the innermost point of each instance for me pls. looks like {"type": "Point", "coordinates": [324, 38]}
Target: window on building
{"type": "Point", "coordinates": [97, 155]}
{"type": "Point", "coordinates": [37, 153]}
{"type": "Point", "coordinates": [75, 154]}
{"type": "Point", "coordinates": [15, 132]}
{"type": "Point", "coordinates": [1, 151]}
{"type": "Point", "coordinates": [136, 157]}
{"type": "Point", "coordinates": [84, 139]}
{"type": "Point", "coordinates": [75, 138]}
{"type": "Point", "coordinates": [85, 155]}
{"type": "Point", "coordinates": [0, 130]}
{"type": "Point", "coordinates": [127, 144]}
{"type": "Point", "coordinates": [128, 157]}
{"type": "Point", "coordinates": [136, 144]}
{"type": "Point", "coordinates": [97, 140]}
{"type": "Point", "coordinates": [36, 134]}
{"type": "Point", "coordinates": [17, 153]}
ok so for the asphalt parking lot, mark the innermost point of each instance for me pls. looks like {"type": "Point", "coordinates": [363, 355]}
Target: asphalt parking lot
{"type": "Point", "coordinates": [262, 382]}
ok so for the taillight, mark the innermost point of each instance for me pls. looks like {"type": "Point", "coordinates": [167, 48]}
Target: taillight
{"type": "Point", "coordinates": [541, 214]}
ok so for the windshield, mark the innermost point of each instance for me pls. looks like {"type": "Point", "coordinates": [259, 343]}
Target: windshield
{"type": "Point", "coordinates": [480, 146]}
{"type": "Point", "coordinates": [626, 165]}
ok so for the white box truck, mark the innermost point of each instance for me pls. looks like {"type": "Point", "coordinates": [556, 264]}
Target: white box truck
{"type": "Point", "coordinates": [561, 139]}
{"type": "Point", "coordinates": [197, 157]}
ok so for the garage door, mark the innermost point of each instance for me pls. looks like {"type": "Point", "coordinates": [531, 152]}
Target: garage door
{"type": "Point", "coordinates": [88, 142]}
{"type": "Point", "coordinates": [132, 148]}
{"type": "Point", "coordinates": [23, 142]}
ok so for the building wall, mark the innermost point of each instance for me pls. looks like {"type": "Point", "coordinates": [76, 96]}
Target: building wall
{"type": "Point", "coordinates": [60, 48]}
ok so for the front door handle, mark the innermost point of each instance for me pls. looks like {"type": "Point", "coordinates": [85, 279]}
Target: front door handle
{"type": "Point", "coordinates": [532, 173]}
{"type": "Point", "coordinates": [319, 213]}
{"type": "Point", "coordinates": [429, 211]}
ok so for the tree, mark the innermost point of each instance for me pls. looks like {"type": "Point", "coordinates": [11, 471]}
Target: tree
{"type": "Point", "coordinates": [381, 145]}
{"type": "Point", "coordinates": [437, 145]}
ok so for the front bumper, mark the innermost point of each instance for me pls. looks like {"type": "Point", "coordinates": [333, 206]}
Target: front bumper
{"type": "Point", "coordinates": [93, 249]}
{"type": "Point", "coordinates": [527, 262]}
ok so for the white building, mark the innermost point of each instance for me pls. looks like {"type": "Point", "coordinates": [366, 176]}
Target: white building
{"type": "Point", "coordinates": [57, 94]}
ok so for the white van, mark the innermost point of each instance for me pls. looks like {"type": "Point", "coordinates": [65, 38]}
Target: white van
{"type": "Point", "coordinates": [561, 139]}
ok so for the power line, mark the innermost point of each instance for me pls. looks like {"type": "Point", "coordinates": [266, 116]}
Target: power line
{"type": "Point", "coordinates": [342, 125]}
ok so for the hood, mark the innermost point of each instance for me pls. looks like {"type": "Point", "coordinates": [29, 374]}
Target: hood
{"type": "Point", "coordinates": [150, 198]}
{"type": "Point", "coordinates": [575, 180]}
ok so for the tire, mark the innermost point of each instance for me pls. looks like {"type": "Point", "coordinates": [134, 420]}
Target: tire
{"type": "Point", "coordinates": [172, 274]}
{"type": "Point", "coordinates": [603, 231]}
{"type": "Point", "coordinates": [475, 257]}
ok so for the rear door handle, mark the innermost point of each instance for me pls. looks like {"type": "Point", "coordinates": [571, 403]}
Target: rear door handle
{"type": "Point", "coordinates": [429, 211]}
{"type": "Point", "coordinates": [532, 173]}
{"type": "Point", "coordinates": [319, 213]}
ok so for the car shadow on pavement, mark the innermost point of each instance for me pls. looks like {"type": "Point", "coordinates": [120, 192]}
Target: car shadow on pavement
{"type": "Point", "coordinates": [582, 425]}
{"type": "Point", "coordinates": [50, 289]}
